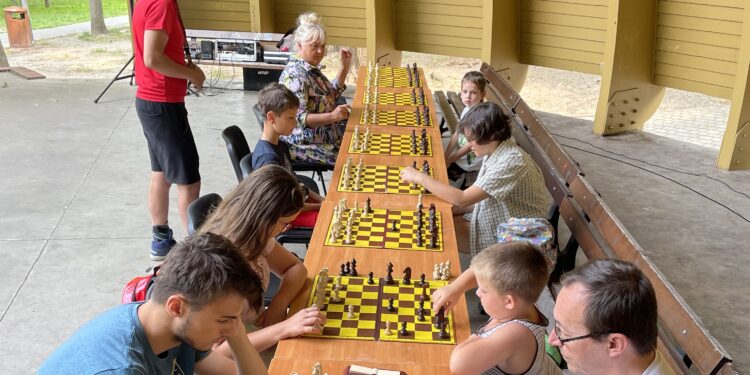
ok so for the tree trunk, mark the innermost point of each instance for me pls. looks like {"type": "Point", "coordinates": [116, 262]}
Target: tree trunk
{"type": "Point", "coordinates": [3, 58]}
{"type": "Point", "coordinates": [46, 3]}
{"type": "Point", "coordinates": [97, 18]}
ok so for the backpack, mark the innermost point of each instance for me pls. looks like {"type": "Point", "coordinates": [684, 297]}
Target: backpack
{"type": "Point", "coordinates": [537, 231]}
{"type": "Point", "coordinates": [139, 288]}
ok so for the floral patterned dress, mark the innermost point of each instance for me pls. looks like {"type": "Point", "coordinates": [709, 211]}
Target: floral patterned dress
{"type": "Point", "coordinates": [316, 95]}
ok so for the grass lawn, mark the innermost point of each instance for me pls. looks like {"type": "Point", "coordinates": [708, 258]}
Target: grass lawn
{"type": "Point", "coordinates": [63, 12]}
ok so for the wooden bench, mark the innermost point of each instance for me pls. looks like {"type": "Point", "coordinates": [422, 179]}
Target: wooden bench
{"type": "Point", "coordinates": [599, 234]}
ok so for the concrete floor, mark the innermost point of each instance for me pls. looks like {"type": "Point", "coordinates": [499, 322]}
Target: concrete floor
{"type": "Point", "coordinates": [74, 224]}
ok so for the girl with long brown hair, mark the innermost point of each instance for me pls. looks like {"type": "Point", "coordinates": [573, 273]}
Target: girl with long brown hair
{"type": "Point", "coordinates": [250, 216]}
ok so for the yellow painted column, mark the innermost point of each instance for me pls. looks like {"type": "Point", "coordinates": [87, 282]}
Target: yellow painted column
{"type": "Point", "coordinates": [627, 96]}
{"type": "Point", "coordinates": [262, 12]}
{"type": "Point", "coordinates": [735, 147]}
{"type": "Point", "coordinates": [381, 41]}
{"type": "Point", "coordinates": [501, 40]}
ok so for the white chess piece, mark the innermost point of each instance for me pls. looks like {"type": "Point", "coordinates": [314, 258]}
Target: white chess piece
{"type": "Point", "coordinates": [350, 312]}
{"type": "Point", "coordinates": [387, 330]}
{"type": "Point", "coordinates": [317, 369]}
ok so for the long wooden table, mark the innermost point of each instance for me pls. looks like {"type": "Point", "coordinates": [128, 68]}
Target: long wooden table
{"type": "Point", "coordinates": [413, 358]}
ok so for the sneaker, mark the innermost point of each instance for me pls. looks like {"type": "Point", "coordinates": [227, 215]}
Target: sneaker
{"type": "Point", "coordinates": [161, 242]}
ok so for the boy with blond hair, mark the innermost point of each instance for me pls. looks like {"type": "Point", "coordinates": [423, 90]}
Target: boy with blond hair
{"type": "Point", "coordinates": [509, 278]}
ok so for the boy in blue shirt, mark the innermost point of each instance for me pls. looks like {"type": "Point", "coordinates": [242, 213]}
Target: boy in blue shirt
{"type": "Point", "coordinates": [279, 107]}
{"type": "Point", "coordinates": [201, 291]}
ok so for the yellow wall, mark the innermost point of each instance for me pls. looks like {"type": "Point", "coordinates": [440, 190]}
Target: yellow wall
{"type": "Point", "coordinates": [697, 45]}
{"type": "Point", "coordinates": [443, 27]}
{"type": "Point", "coordinates": [564, 34]}
{"type": "Point", "coordinates": [344, 20]}
{"type": "Point", "coordinates": [225, 15]}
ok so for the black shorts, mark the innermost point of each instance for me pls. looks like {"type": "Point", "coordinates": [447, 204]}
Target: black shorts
{"type": "Point", "coordinates": [170, 142]}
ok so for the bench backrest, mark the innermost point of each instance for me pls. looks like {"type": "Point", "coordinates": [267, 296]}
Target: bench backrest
{"type": "Point", "coordinates": [601, 235]}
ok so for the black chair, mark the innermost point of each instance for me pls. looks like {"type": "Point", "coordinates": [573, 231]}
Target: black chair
{"type": "Point", "coordinates": [300, 166]}
{"type": "Point", "coordinates": [199, 209]}
{"type": "Point", "coordinates": [236, 146]}
{"type": "Point", "coordinates": [296, 235]}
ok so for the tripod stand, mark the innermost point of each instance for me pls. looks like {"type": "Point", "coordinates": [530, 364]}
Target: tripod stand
{"type": "Point", "coordinates": [118, 77]}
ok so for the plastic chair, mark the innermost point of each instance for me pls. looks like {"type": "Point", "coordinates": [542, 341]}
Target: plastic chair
{"type": "Point", "coordinates": [199, 209]}
{"type": "Point", "coordinates": [300, 166]}
{"type": "Point", "coordinates": [236, 146]}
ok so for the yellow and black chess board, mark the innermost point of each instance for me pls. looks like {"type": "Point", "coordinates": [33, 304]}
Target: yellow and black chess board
{"type": "Point", "coordinates": [406, 300]}
{"type": "Point", "coordinates": [397, 77]}
{"type": "Point", "coordinates": [362, 296]}
{"type": "Point", "coordinates": [418, 117]}
{"type": "Point", "coordinates": [370, 309]}
{"type": "Point", "coordinates": [375, 230]}
{"type": "Point", "coordinates": [390, 144]}
{"type": "Point", "coordinates": [380, 179]}
{"type": "Point", "coordinates": [414, 97]}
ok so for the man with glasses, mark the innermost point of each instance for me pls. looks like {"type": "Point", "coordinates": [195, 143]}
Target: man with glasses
{"type": "Point", "coordinates": [605, 321]}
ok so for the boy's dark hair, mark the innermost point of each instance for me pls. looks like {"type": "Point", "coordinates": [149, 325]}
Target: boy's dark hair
{"type": "Point", "coordinates": [516, 268]}
{"type": "Point", "coordinates": [476, 78]}
{"type": "Point", "coordinates": [485, 123]}
{"type": "Point", "coordinates": [620, 300]}
{"type": "Point", "coordinates": [206, 267]}
{"type": "Point", "coordinates": [276, 98]}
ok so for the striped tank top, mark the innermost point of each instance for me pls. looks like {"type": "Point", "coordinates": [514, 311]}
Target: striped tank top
{"type": "Point", "coordinates": [543, 364]}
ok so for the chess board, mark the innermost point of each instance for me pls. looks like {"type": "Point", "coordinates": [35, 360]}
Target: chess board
{"type": "Point", "coordinates": [390, 144]}
{"type": "Point", "coordinates": [380, 179]}
{"type": "Point", "coordinates": [406, 301]}
{"type": "Point", "coordinates": [398, 118]}
{"type": "Point", "coordinates": [370, 304]}
{"type": "Point", "coordinates": [415, 97]}
{"type": "Point", "coordinates": [395, 77]}
{"type": "Point", "coordinates": [374, 230]}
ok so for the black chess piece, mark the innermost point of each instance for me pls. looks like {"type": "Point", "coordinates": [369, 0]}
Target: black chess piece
{"type": "Point", "coordinates": [420, 315]}
{"type": "Point", "coordinates": [426, 167]}
{"type": "Point", "coordinates": [353, 270]}
{"type": "Point", "coordinates": [391, 308]}
{"type": "Point", "coordinates": [367, 205]}
{"type": "Point", "coordinates": [347, 268]}
{"type": "Point", "coordinates": [421, 280]}
{"type": "Point", "coordinates": [389, 267]}
{"type": "Point", "coordinates": [389, 275]}
{"type": "Point", "coordinates": [418, 116]}
{"type": "Point", "coordinates": [403, 331]}
{"type": "Point", "coordinates": [426, 118]}
{"type": "Point", "coordinates": [419, 216]}
{"type": "Point", "coordinates": [433, 240]}
{"type": "Point", "coordinates": [342, 272]}
{"type": "Point", "coordinates": [414, 164]}
{"type": "Point", "coordinates": [421, 305]}
{"type": "Point", "coordinates": [424, 296]}
{"type": "Point", "coordinates": [443, 331]}
{"type": "Point", "coordinates": [424, 134]}
{"type": "Point", "coordinates": [370, 280]}
{"type": "Point", "coordinates": [407, 275]}
{"type": "Point", "coordinates": [413, 97]}
{"type": "Point", "coordinates": [439, 317]}
{"type": "Point", "coordinates": [354, 262]}
{"type": "Point", "coordinates": [418, 235]}
{"type": "Point", "coordinates": [394, 226]}
{"type": "Point", "coordinates": [421, 96]}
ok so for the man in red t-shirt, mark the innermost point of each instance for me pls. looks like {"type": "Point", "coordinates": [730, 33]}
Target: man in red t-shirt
{"type": "Point", "coordinates": [162, 75]}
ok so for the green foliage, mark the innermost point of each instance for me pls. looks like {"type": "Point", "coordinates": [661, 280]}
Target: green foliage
{"type": "Point", "coordinates": [64, 12]}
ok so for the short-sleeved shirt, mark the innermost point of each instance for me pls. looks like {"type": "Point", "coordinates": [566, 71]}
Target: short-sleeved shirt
{"type": "Point", "coordinates": [152, 85]}
{"type": "Point", "coordinates": [516, 189]}
{"type": "Point", "coordinates": [658, 366]}
{"type": "Point", "coordinates": [115, 343]}
{"type": "Point", "coordinates": [266, 153]}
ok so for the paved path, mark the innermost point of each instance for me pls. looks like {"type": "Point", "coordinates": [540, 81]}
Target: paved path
{"type": "Point", "coordinates": [76, 28]}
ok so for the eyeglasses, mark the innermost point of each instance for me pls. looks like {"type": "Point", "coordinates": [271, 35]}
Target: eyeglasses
{"type": "Point", "coordinates": [563, 341]}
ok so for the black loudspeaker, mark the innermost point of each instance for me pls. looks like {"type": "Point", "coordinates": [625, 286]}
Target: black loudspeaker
{"type": "Point", "coordinates": [256, 79]}
{"type": "Point", "coordinates": [207, 50]}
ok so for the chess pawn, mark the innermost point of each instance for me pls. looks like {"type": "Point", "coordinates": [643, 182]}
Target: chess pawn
{"type": "Point", "coordinates": [436, 273]}
{"type": "Point", "coordinates": [317, 369]}
{"type": "Point", "coordinates": [387, 330]}
{"type": "Point", "coordinates": [446, 273]}
{"type": "Point", "coordinates": [350, 312]}
{"type": "Point", "coordinates": [336, 298]}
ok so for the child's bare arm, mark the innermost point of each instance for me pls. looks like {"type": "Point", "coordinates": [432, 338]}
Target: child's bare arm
{"type": "Point", "coordinates": [458, 154]}
{"type": "Point", "coordinates": [507, 348]}
{"type": "Point", "coordinates": [452, 144]}
{"type": "Point", "coordinates": [458, 197]}
{"type": "Point", "coordinates": [449, 295]}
